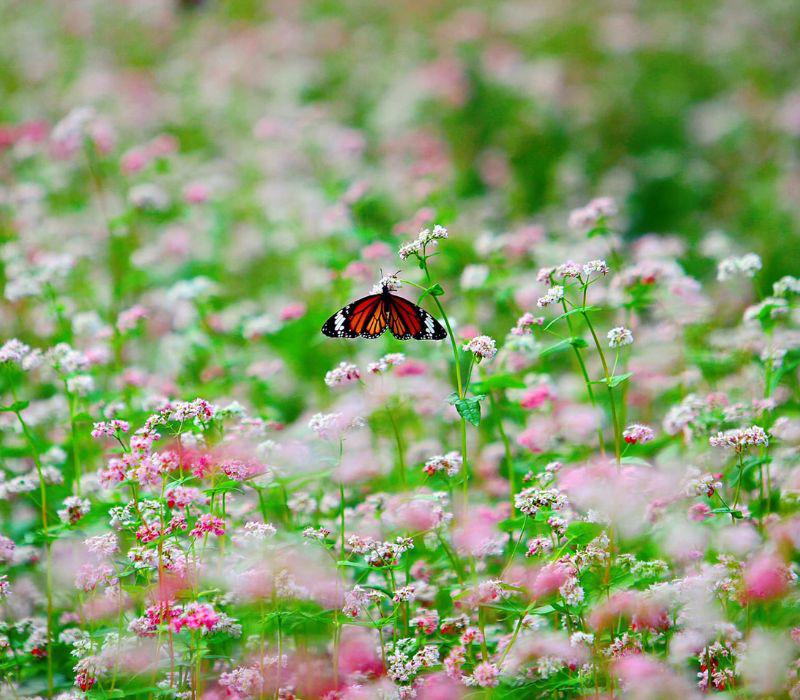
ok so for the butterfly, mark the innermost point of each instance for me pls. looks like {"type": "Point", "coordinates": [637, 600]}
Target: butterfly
{"type": "Point", "coordinates": [371, 316]}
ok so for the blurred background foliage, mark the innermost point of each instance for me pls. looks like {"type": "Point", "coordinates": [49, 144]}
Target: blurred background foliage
{"type": "Point", "coordinates": [494, 113]}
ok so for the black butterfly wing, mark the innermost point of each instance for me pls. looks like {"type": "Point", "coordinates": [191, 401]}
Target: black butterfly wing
{"type": "Point", "coordinates": [407, 320]}
{"type": "Point", "coordinates": [364, 317]}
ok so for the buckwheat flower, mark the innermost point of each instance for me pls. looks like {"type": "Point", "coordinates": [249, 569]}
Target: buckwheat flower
{"type": "Point", "coordinates": [318, 534]}
{"type": "Point", "coordinates": [740, 438]}
{"type": "Point", "coordinates": [426, 238]}
{"type": "Point", "coordinates": [766, 578]}
{"type": "Point", "coordinates": [208, 523]}
{"type": "Point", "coordinates": [258, 531]}
{"type": "Point", "coordinates": [427, 621]}
{"type": "Point", "coordinates": [74, 509]}
{"type": "Point", "coordinates": [388, 282]}
{"type": "Point", "coordinates": [638, 434]}
{"type": "Point", "coordinates": [449, 463]}
{"type": "Point", "coordinates": [619, 337]}
{"type": "Point", "coordinates": [199, 410]}
{"type": "Point", "coordinates": [405, 594]}
{"type": "Point", "coordinates": [554, 296]}
{"type": "Point", "coordinates": [103, 545]}
{"type": "Point", "coordinates": [702, 484]}
{"type": "Point", "coordinates": [358, 600]}
{"type": "Point", "coordinates": [525, 324]}
{"type": "Point", "coordinates": [7, 548]}
{"type": "Point", "coordinates": [5, 587]}
{"type": "Point", "coordinates": [344, 373]}
{"type": "Point", "coordinates": [567, 269]}
{"type": "Point", "coordinates": [332, 426]}
{"type": "Point", "coordinates": [597, 267]}
{"type": "Point", "coordinates": [14, 351]}
{"type": "Point", "coordinates": [777, 307]}
{"type": "Point", "coordinates": [531, 500]}
{"type": "Point", "coordinates": [587, 217]}
{"type": "Point", "coordinates": [179, 497]}
{"type": "Point", "coordinates": [66, 359]}
{"type": "Point", "coordinates": [786, 286]}
{"type": "Point", "coordinates": [544, 274]}
{"type": "Point", "coordinates": [129, 318]}
{"type": "Point", "coordinates": [408, 249]}
{"type": "Point", "coordinates": [90, 576]}
{"type": "Point", "coordinates": [484, 675]}
{"type": "Point", "coordinates": [539, 545]}
{"type": "Point", "coordinates": [195, 616]}
{"type": "Point", "coordinates": [80, 385]}
{"type": "Point", "coordinates": [393, 359]}
{"type": "Point", "coordinates": [244, 681]}
{"type": "Point", "coordinates": [483, 347]}
{"type": "Point", "coordinates": [746, 265]}
{"type": "Point", "coordinates": [238, 470]}
{"type": "Point", "coordinates": [110, 428]}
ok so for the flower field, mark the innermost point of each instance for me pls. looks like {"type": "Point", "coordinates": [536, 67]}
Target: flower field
{"type": "Point", "coordinates": [356, 351]}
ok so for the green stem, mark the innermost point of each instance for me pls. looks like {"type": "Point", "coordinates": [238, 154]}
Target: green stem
{"type": "Point", "coordinates": [611, 400]}
{"type": "Point", "coordinates": [506, 451]}
{"type": "Point", "coordinates": [461, 388]}
{"type": "Point", "coordinates": [47, 549]}
{"type": "Point", "coordinates": [585, 373]}
{"type": "Point", "coordinates": [740, 462]}
{"type": "Point", "coordinates": [401, 459]}
{"type": "Point", "coordinates": [76, 465]}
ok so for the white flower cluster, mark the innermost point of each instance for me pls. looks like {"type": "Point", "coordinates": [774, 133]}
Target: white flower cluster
{"type": "Point", "coordinates": [746, 265]}
{"type": "Point", "coordinates": [424, 239]}
{"type": "Point", "coordinates": [344, 373]}
{"type": "Point", "coordinates": [740, 438]}
{"type": "Point", "coordinates": [483, 347]}
{"type": "Point", "coordinates": [554, 295]}
{"type": "Point", "coordinates": [449, 463]}
{"type": "Point", "coordinates": [619, 337]}
{"type": "Point", "coordinates": [531, 500]}
{"type": "Point", "coordinates": [390, 283]}
{"type": "Point", "coordinates": [393, 359]}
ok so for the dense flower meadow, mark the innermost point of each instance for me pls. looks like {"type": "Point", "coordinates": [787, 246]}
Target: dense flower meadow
{"type": "Point", "coordinates": [589, 488]}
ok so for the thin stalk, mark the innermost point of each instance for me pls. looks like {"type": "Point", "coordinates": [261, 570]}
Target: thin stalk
{"type": "Point", "coordinates": [506, 451]}
{"type": "Point", "coordinates": [585, 373]}
{"type": "Point", "coordinates": [740, 462]}
{"type": "Point", "coordinates": [611, 400]}
{"type": "Point", "coordinates": [401, 458]}
{"type": "Point", "coordinates": [47, 549]}
{"type": "Point", "coordinates": [76, 465]}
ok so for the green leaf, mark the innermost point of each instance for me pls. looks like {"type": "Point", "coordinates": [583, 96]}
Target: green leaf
{"type": "Point", "coordinates": [15, 407]}
{"type": "Point", "coordinates": [737, 514]}
{"type": "Point", "coordinates": [434, 290]}
{"type": "Point", "coordinates": [469, 407]}
{"type": "Point", "coordinates": [635, 460]}
{"type": "Point", "coordinates": [582, 533]}
{"type": "Point", "coordinates": [576, 310]}
{"type": "Point", "coordinates": [498, 381]}
{"type": "Point", "coordinates": [618, 379]}
{"type": "Point", "coordinates": [563, 345]}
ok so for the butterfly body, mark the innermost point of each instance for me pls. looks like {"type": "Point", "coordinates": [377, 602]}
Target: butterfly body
{"type": "Point", "coordinates": [371, 316]}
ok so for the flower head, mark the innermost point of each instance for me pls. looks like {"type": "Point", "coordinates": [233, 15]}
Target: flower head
{"type": "Point", "coordinates": [619, 337]}
{"type": "Point", "coordinates": [483, 347]}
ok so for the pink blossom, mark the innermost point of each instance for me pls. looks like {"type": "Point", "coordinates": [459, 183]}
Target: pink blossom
{"type": "Point", "coordinates": [293, 311]}
{"type": "Point", "coordinates": [196, 193]}
{"type": "Point", "coordinates": [537, 396]}
{"type": "Point", "coordinates": [765, 578]}
{"type": "Point", "coordinates": [208, 524]}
